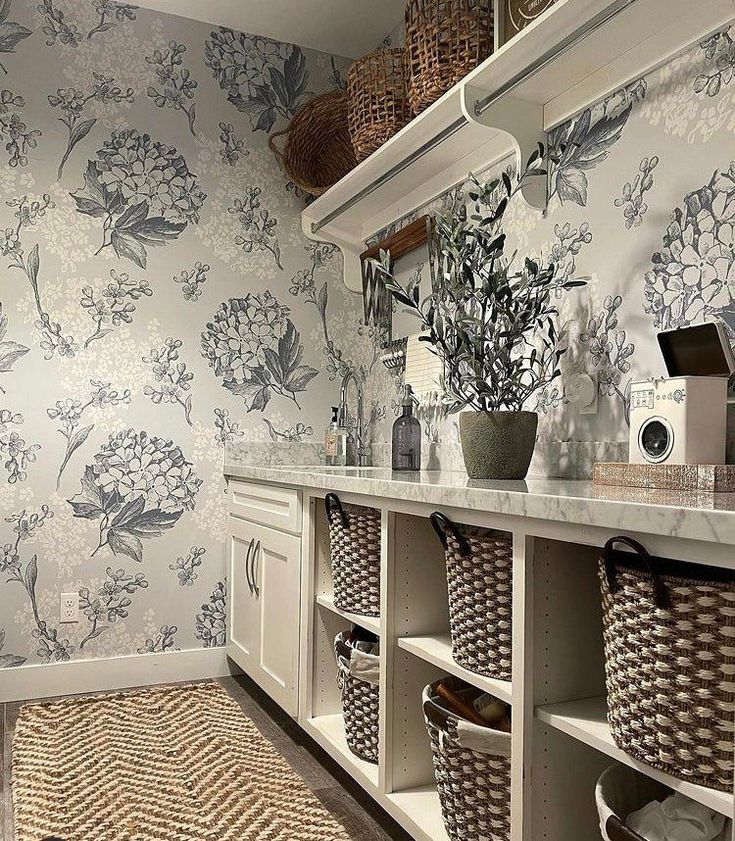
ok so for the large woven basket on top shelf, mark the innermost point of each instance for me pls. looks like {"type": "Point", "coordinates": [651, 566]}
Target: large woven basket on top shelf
{"type": "Point", "coordinates": [445, 39]}
{"type": "Point", "coordinates": [378, 100]}
{"type": "Point", "coordinates": [480, 583]}
{"type": "Point", "coordinates": [669, 630]}
{"type": "Point", "coordinates": [317, 152]}
{"type": "Point", "coordinates": [472, 770]}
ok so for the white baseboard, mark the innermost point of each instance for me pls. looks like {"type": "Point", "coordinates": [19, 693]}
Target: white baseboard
{"type": "Point", "coordinates": [26, 683]}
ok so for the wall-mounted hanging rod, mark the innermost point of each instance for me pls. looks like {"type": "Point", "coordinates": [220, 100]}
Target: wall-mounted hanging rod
{"type": "Point", "coordinates": [567, 44]}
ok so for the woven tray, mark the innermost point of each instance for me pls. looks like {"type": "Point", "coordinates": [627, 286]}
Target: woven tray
{"type": "Point", "coordinates": [705, 478]}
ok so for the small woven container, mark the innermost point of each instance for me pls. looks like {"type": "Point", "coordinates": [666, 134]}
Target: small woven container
{"type": "Point", "coordinates": [360, 704]}
{"type": "Point", "coordinates": [620, 791]}
{"type": "Point", "coordinates": [354, 537]}
{"type": "Point", "coordinates": [473, 784]}
{"type": "Point", "coordinates": [480, 583]}
{"type": "Point", "coordinates": [318, 151]}
{"type": "Point", "coordinates": [445, 40]}
{"type": "Point", "coordinates": [669, 631]}
{"type": "Point", "coordinates": [378, 101]}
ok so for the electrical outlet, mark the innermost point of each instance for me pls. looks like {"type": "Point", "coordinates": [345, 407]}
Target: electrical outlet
{"type": "Point", "coordinates": [69, 607]}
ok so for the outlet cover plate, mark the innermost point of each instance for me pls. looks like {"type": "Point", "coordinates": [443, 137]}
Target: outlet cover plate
{"type": "Point", "coordinates": [69, 607]}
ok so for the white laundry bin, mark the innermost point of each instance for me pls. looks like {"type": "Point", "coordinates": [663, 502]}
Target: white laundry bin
{"type": "Point", "coordinates": [619, 792]}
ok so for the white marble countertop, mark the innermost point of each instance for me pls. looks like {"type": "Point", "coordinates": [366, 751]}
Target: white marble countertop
{"type": "Point", "coordinates": [696, 516]}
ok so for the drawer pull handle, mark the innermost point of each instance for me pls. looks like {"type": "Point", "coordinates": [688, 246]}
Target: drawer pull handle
{"type": "Point", "coordinates": [255, 573]}
{"type": "Point", "coordinates": [247, 565]}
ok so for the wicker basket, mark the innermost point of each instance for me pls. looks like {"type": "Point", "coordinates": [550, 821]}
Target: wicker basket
{"type": "Point", "coordinates": [317, 151]}
{"type": "Point", "coordinates": [378, 103]}
{"type": "Point", "coordinates": [480, 581]}
{"type": "Point", "coordinates": [445, 39]}
{"type": "Point", "coordinates": [354, 537]}
{"type": "Point", "coordinates": [669, 630]}
{"type": "Point", "coordinates": [473, 783]}
{"type": "Point", "coordinates": [360, 703]}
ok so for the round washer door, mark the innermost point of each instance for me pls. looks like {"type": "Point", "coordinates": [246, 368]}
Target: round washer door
{"type": "Point", "coordinates": [656, 440]}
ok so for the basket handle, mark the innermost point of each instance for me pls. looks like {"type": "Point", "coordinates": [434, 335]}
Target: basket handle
{"type": "Point", "coordinates": [333, 503]}
{"type": "Point", "coordinates": [443, 525]}
{"type": "Point", "coordinates": [276, 151]}
{"type": "Point", "coordinates": [660, 593]}
{"type": "Point", "coordinates": [617, 831]}
{"type": "Point", "coordinates": [436, 715]}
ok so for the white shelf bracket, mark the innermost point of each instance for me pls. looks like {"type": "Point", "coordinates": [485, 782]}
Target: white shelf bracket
{"type": "Point", "coordinates": [351, 250]}
{"type": "Point", "coordinates": [523, 122]}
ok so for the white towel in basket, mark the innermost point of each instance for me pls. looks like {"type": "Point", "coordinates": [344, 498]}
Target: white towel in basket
{"type": "Point", "coordinates": [678, 819]}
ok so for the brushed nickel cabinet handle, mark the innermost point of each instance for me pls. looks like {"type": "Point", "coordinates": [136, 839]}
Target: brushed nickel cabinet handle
{"type": "Point", "coordinates": [247, 564]}
{"type": "Point", "coordinates": [256, 555]}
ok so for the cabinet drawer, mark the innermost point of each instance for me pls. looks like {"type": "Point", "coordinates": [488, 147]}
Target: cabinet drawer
{"type": "Point", "coordinates": [267, 505]}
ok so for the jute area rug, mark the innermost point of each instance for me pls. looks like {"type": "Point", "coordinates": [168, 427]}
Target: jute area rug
{"type": "Point", "coordinates": [172, 764]}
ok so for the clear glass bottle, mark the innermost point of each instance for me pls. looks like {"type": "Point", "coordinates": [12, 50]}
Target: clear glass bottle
{"type": "Point", "coordinates": [335, 441]}
{"type": "Point", "coordinates": [407, 436]}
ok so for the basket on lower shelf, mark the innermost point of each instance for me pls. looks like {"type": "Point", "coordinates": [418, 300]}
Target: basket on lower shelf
{"type": "Point", "coordinates": [358, 676]}
{"type": "Point", "coordinates": [472, 769]}
{"type": "Point", "coordinates": [621, 791]}
{"type": "Point", "coordinates": [669, 632]}
{"type": "Point", "coordinates": [354, 538]}
{"type": "Point", "coordinates": [480, 583]}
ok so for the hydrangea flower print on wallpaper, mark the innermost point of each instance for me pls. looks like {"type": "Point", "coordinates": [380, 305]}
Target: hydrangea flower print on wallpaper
{"type": "Point", "coordinates": [149, 315]}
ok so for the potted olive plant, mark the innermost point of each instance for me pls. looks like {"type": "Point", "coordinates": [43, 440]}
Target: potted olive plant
{"type": "Point", "coordinates": [491, 319]}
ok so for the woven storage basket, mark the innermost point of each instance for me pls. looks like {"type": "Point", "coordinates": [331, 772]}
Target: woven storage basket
{"type": "Point", "coordinates": [360, 704]}
{"type": "Point", "coordinates": [473, 784]}
{"type": "Point", "coordinates": [354, 537]}
{"type": "Point", "coordinates": [317, 151]}
{"type": "Point", "coordinates": [378, 102]}
{"type": "Point", "coordinates": [669, 630]}
{"type": "Point", "coordinates": [620, 791]}
{"type": "Point", "coordinates": [480, 582]}
{"type": "Point", "coordinates": [445, 39]}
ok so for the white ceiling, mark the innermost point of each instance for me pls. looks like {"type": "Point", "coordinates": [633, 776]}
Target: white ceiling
{"type": "Point", "coordinates": [339, 27]}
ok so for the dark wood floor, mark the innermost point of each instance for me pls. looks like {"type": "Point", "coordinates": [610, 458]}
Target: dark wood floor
{"type": "Point", "coordinates": [363, 820]}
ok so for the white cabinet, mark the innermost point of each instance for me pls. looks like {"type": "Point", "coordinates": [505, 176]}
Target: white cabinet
{"type": "Point", "coordinates": [265, 595]}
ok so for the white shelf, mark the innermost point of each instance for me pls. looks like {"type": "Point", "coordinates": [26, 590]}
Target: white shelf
{"type": "Point", "coordinates": [371, 623]}
{"type": "Point", "coordinates": [329, 732]}
{"type": "Point", "coordinates": [437, 650]}
{"type": "Point", "coordinates": [579, 52]}
{"type": "Point", "coordinates": [586, 721]}
{"type": "Point", "coordinates": [421, 806]}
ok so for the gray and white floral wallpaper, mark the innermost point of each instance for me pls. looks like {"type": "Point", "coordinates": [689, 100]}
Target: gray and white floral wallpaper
{"type": "Point", "coordinates": [158, 301]}
{"type": "Point", "coordinates": [642, 202]}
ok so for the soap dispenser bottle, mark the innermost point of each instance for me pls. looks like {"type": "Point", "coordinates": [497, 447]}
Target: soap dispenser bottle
{"type": "Point", "coordinates": [335, 441]}
{"type": "Point", "coordinates": [406, 444]}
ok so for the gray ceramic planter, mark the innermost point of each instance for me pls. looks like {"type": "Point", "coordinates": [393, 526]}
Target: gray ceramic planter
{"type": "Point", "coordinates": [497, 445]}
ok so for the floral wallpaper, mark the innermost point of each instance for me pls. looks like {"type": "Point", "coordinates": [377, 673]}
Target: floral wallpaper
{"type": "Point", "coordinates": [160, 302]}
{"type": "Point", "coordinates": [642, 202]}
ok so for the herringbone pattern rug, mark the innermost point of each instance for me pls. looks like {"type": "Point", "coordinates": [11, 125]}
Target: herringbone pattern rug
{"type": "Point", "coordinates": [173, 764]}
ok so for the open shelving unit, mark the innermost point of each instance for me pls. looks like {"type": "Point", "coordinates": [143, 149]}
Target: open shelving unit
{"type": "Point", "coordinates": [573, 55]}
{"type": "Point", "coordinates": [561, 741]}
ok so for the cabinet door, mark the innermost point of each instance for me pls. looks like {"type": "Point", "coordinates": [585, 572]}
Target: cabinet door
{"type": "Point", "coordinates": [265, 604]}
{"type": "Point", "coordinates": [276, 569]}
{"type": "Point", "coordinates": [244, 612]}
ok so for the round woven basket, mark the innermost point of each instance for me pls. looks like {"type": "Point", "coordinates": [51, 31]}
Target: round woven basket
{"type": "Point", "coordinates": [480, 584]}
{"type": "Point", "coordinates": [445, 39]}
{"type": "Point", "coordinates": [378, 101]}
{"type": "Point", "coordinates": [354, 544]}
{"type": "Point", "coordinates": [360, 705]}
{"type": "Point", "coordinates": [473, 782]}
{"type": "Point", "coordinates": [318, 151]}
{"type": "Point", "coordinates": [668, 629]}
